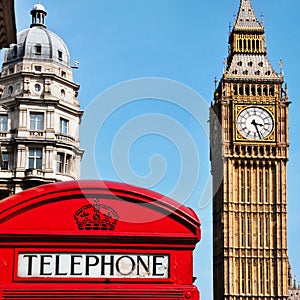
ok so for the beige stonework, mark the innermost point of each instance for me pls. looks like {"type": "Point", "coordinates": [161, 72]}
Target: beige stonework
{"type": "Point", "coordinates": [39, 111]}
{"type": "Point", "coordinates": [249, 152]}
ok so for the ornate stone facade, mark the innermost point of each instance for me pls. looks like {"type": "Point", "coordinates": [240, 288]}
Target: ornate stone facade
{"type": "Point", "coordinates": [249, 152]}
{"type": "Point", "coordinates": [39, 111]}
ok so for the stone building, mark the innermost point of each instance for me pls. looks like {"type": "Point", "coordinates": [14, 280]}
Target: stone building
{"type": "Point", "coordinates": [39, 111]}
{"type": "Point", "coordinates": [249, 153]}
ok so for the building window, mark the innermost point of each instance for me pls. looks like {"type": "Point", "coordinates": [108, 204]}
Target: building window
{"type": "Point", "coordinates": [68, 164]}
{"type": "Point", "coordinates": [248, 187]}
{"type": "Point", "coordinates": [15, 51]}
{"type": "Point", "coordinates": [267, 281]}
{"type": "Point", "coordinates": [242, 186]}
{"type": "Point", "coordinates": [261, 278]}
{"type": "Point", "coordinates": [242, 231]}
{"type": "Point", "coordinates": [63, 162]}
{"type": "Point", "coordinates": [63, 74]}
{"type": "Point", "coordinates": [10, 90]}
{"type": "Point", "coordinates": [261, 237]}
{"type": "Point", "coordinates": [11, 70]}
{"type": "Point", "coordinates": [36, 121]}
{"type": "Point", "coordinates": [35, 158]}
{"type": "Point", "coordinates": [267, 186]}
{"type": "Point", "coordinates": [38, 69]}
{"type": "Point", "coordinates": [59, 162]}
{"type": "Point", "coordinates": [62, 93]}
{"type": "Point", "coordinates": [38, 49]}
{"type": "Point", "coordinates": [243, 282]}
{"type": "Point", "coordinates": [37, 88]}
{"type": "Point", "coordinates": [59, 52]}
{"type": "Point", "coordinates": [4, 161]}
{"type": "Point", "coordinates": [64, 126]}
{"type": "Point", "coordinates": [268, 233]}
{"type": "Point", "coordinates": [249, 278]}
{"type": "Point", "coordinates": [260, 186]}
{"type": "Point", "coordinates": [3, 123]}
{"type": "Point", "coordinates": [248, 231]}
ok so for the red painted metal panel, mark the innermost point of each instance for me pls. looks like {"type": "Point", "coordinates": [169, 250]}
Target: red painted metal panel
{"type": "Point", "coordinates": [55, 239]}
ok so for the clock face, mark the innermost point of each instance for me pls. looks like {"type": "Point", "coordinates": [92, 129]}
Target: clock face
{"type": "Point", "coordinates": [255, 123]}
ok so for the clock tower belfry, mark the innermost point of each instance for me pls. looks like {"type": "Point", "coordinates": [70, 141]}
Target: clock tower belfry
{"type": "Point", "coordinates": [249, 152]}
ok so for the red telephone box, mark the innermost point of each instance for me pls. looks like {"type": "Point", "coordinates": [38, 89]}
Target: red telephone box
{"type": "Point", "coordinates": [96, 240]}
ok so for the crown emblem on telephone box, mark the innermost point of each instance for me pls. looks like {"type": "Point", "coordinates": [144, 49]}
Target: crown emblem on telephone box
{"type": "Point", "coordinates": [96, 216]}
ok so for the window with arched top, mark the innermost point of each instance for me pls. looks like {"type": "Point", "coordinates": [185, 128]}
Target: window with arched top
{"type": "Point", "coordinates": [241, 91]}
{"type": "Point", "coordinates": [235, 89]}
{"type": "Point", "coordinates": [259, 91]}
{"type": "Point", "coordinates": [15, 51]}
{"type": "Point", "coordinates": [247, 90]}
{"type": "Point", "coordinates": [265, 91]}
{"type": "Point", "coordinates": [240, 44]}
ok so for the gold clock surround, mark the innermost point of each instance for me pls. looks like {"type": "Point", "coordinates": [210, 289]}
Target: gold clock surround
{"type": "Point", "coordinates": [238, 108]}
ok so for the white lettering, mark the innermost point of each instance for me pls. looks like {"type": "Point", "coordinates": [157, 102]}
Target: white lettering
{"type": "Point", "coordinates": [92, 265]}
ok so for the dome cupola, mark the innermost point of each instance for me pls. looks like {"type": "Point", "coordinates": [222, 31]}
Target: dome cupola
{"type": "Point", "coordinates": [38, 15]}
{"type": "Point", "coordinates": [38, 43]}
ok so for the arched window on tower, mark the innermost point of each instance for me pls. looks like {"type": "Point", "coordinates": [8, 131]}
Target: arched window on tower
{"type": "Point", "coordinates": [247, 90]}
{"type": "Point", "coordinates": [261, 278]}
{"type": "Point", "coordinates": [242, 230]}
{"type": "Point", "coordinates": [257, 45]}
{"type": "Point", "coordinates": [235, 89]}
{"type": "Point", "coordinates": [248, 231]}
{"type": "Point", "coordinates": [248, 187]}
{"type": "Point", "coordinates": [249, 277]}
{"type": "Point", "coordinates": [260, 186]}
{"type": "Point", "coordinates": [241, 90]}
{"type": "Point", "coordinates": [259, 91]}
{"type": "Point", "coordinates": [261, 229]}
{"type": "Point", "coordinates": [242, 186]}
{"type": "Point", "coordinates": [268, 231]}
{"type": "Point", "coordinates": [267, 186]}
{"type": "Point", "coordinates": [243, 276]}
{"type": "Point", "coordinates": [267, 277]}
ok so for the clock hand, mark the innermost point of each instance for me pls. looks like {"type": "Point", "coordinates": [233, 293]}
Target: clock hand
{"type": "Point", "coordinates": [255, 125]}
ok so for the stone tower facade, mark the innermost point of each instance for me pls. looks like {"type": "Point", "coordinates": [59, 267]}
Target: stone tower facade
{"type": "Point", "coordinates": [39, 111]}
{"type": "Point", "coordinates": [249, 153]}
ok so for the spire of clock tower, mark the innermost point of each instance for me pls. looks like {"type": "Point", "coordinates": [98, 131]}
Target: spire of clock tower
{"type": "Point", "coordinates": [246, 18]}
{"type": "Point", "coordinates": [247, 57]}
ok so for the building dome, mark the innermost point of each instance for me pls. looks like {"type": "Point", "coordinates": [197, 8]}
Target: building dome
{"type": "Point", "coordinates": [38, 43]}
{"type": "Point", "coordinates": [39, 6]}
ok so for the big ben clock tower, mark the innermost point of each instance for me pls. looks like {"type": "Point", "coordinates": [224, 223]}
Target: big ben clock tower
{"type": "Point", "coordinates": [249, 152]}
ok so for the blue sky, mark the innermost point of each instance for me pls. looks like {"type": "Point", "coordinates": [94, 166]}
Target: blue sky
{"type": "Point", "coordinates": [185, 43]}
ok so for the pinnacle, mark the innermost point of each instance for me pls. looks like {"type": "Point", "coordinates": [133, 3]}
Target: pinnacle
{"type": "Point", "coordinates": [246, 18]}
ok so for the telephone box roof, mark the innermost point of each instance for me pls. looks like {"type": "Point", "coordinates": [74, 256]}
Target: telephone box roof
{"type": "Point", "coordinates": [96, 208]}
